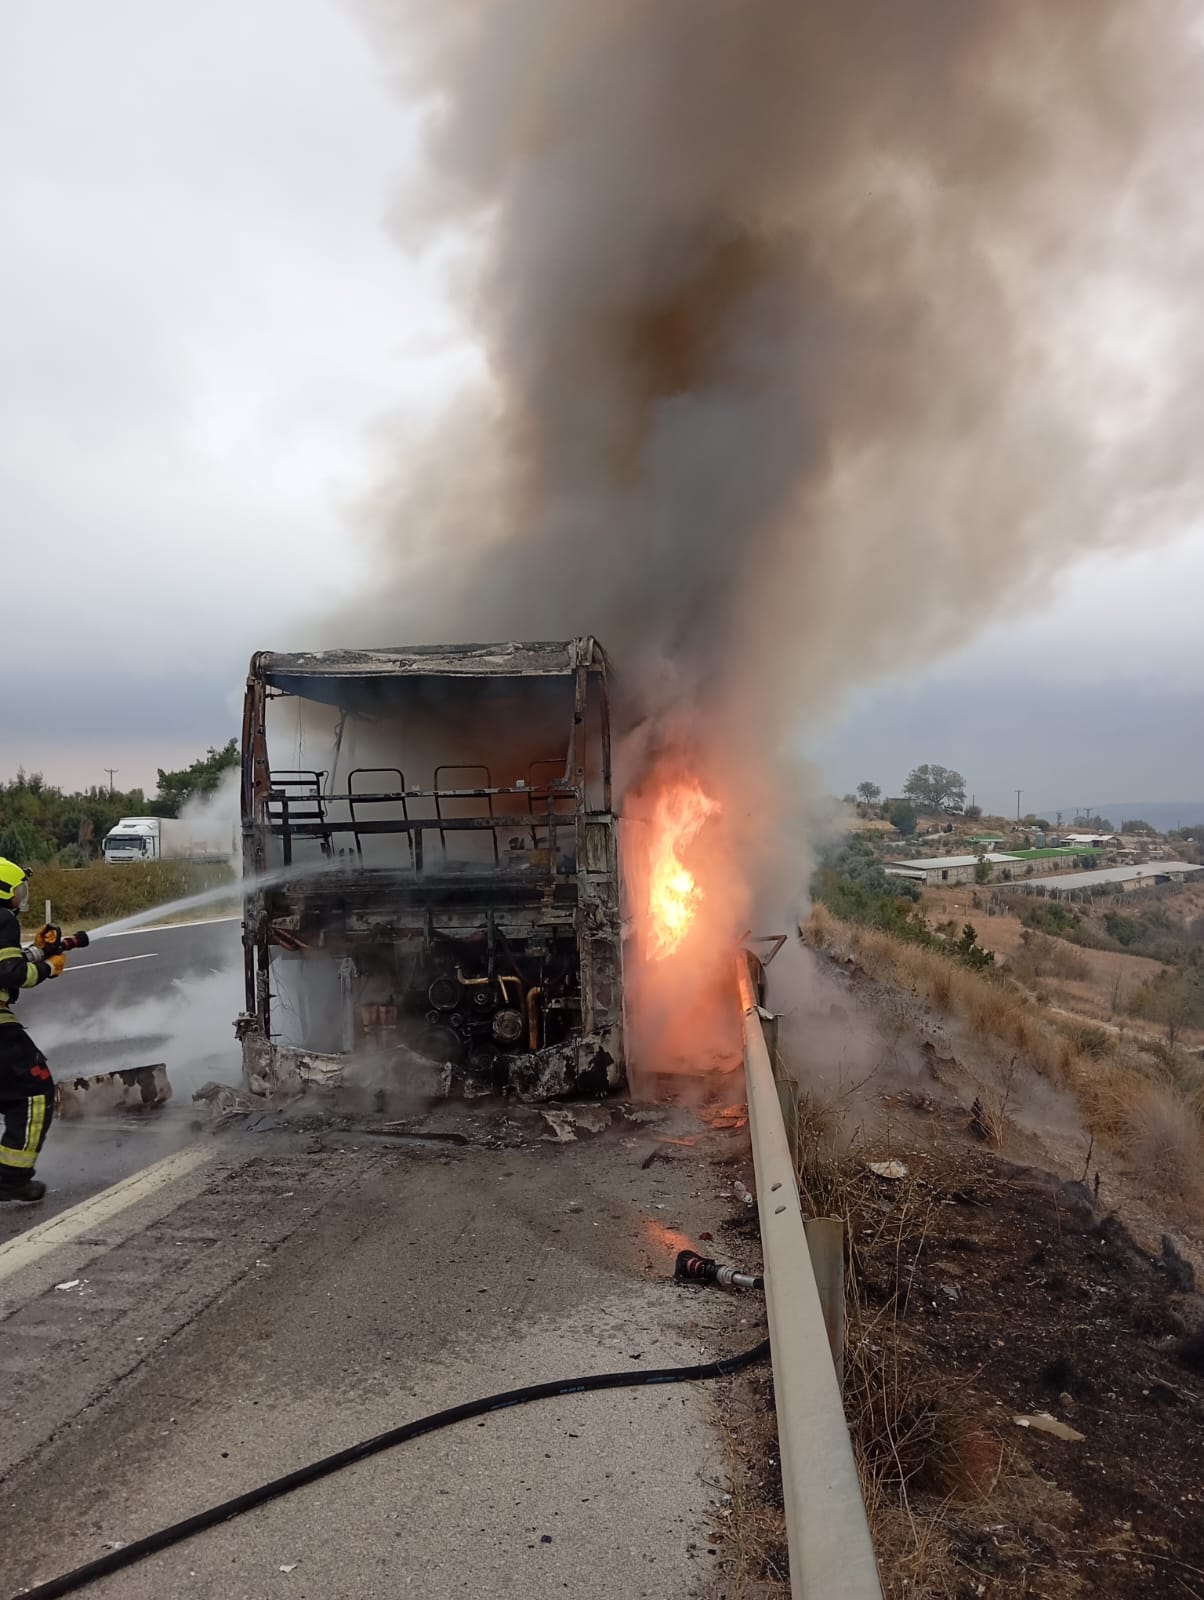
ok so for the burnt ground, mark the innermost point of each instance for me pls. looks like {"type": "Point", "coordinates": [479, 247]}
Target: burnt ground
{"type": "Point", "coordinates": [1007, 1292]}
{"type": "Point", "coordinates": [983, 1291]}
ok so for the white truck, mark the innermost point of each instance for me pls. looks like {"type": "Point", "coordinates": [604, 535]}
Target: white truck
{"type": "Point", "coordinates": [165, 839]}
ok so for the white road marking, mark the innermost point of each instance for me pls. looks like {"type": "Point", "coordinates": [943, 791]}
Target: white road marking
{"type": "Point", "coordinates": [113, 961]}
{"type": "Point", "coordinates": [88, 1215]}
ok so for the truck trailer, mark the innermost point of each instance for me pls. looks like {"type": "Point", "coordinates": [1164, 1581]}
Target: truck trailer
{"type": "Point", "coordinates": [164, 839]}
{"type": "Point", "coordinates": [430, 856]}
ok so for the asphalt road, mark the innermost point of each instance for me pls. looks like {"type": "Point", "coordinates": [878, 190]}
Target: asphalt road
{"type": "Point", "coordinates": [161, 994]}
{"type": "Point", "coordinates": [131, 992]}
{"type": "Point", "coordinates": [292, 1297]}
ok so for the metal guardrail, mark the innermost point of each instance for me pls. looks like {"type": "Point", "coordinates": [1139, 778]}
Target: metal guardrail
{"type": "Point", "coordinates": [831, 1556]}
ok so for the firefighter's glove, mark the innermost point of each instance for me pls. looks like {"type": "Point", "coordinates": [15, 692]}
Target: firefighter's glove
{"type": "Point", "coordinates": [48, 938]}
{"type": "Point", "coordinates": [56, 965]}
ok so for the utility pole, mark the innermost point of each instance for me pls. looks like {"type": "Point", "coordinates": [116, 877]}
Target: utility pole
{"type": "Point", "coordinates": [111, 771]}
{"type": "Point", "coordinates": [1019, 792]}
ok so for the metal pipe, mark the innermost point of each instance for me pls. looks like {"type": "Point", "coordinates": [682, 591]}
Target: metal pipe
{"type": "Point", "coordinates": [831, 1557]}
{"type": "Point", "coordinates": [533, 995]}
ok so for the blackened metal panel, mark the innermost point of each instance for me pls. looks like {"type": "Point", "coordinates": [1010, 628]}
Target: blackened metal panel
{"type": "Point", "coordinates": [599, 932]}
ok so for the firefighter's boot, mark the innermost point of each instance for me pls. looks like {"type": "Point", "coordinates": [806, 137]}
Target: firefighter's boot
{"type": "Point", "coordinates": [30, 1190]}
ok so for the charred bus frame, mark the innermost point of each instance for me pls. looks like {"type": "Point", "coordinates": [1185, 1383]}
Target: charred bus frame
{"type": "Point", "coordinates": [491, 939]}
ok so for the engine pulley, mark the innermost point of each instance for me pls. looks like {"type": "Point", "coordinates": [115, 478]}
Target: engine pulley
{"type": "Point", "coordinates": [444, 994]}
{"type": "Point", "coordinates": [507, 1026]}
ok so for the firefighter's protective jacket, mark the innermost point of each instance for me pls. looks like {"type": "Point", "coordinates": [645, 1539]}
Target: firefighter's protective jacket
{"type": "Point", "coordinates": [18, 970]}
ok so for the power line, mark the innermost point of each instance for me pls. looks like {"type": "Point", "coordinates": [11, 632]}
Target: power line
{"type": "Point", "coordinates": [111, 771]}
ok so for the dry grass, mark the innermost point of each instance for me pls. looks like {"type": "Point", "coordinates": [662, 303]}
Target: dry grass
{"type": "Point", "coordinates": [989, 1006]}
{"type": "Point", "coordinates": [1145, 1100]}
{"type": "Point", "coordinates": [1038, 956]}
{"type": "Point", "coordinates": [751, 1530]}
{"type": "Point", "coordinates": [1162, 1138]}
{"type": "Point", "coordinates": [921, 1451]}
{"type": "Point", "coordinates": [86, 896]}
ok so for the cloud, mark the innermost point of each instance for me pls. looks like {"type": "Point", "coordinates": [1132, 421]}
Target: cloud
{"type": "Point", "coordinates": [201, 317]}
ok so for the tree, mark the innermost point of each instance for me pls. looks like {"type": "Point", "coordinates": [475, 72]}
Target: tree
{"type": "Point", "coordinates": [903, 816]}
{"type": "Point", "coordinates": [1136, 825]}
{"type": "Point", "coordinates": [982, 870]}
{"type": "Point", "coordinates": [41, 821]}
{"type": "Point", "coordinates": [971, 952]}
{"type": "Point", "coordinates": [19, 843]}
{"type": "Point", "coordinates": [176, 789]}
{"type": "Point", "coordinates": [1093, 825]}
{"type": "Point", "coordinates": [870, 793]}
{"type": "Point", "coordinates": [1174, 999]}
{"type": "Point", "coordinates": [973, 812]}
{"type": "Point", "coordinates": [936, 788]}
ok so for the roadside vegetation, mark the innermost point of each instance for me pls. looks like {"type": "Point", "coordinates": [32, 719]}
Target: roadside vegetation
{"type": "Point", "coordinates": [86, 897]}
{"type": "Point", "coordinates": [969, 1266]}
{"type": "Point", "coordinates": [852, 883]}
{"type": "Point", "coordinates": [42, 823]}
{"type": "Point", "coordinates": [1141, 1095]}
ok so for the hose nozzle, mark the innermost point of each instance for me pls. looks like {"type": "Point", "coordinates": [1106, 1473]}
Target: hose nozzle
{"type": "Point", "coordinates": [693, 1268]}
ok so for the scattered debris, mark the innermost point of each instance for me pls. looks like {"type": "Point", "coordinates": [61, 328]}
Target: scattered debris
{"type": "Point", "coordinates": [226, 1100]}
{"type": "Point", "coordinates": [742, 1194]}
{"type": "Point", "coordinates": [591, 1119]}
{"type": "Point", "coordinates": [892, 1170]}
{"type": "Point", "coordinates": [561, 1126]}
{"type": "Point", "coordinates": [1044, 1423]}
{"type": "Point", "coordinates": [291, 1567]}
{"type": "Point", "coordinates": [643, 1114]}
{"type": "Point", "coordinates": [139, 1089]}
{"type": "Point", "coordinates": [72, 1283]}
{"type": "Point", "coordinates": [728, 1119]}
{"type": "Point", "coordinates": [566, 1122]}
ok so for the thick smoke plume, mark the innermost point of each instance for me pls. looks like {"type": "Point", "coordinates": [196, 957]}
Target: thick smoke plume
{"type": "Point", "coordinates": [818, 332]}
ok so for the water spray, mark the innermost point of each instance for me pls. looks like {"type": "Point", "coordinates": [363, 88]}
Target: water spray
{"type": "Point", "coordinates": [223, 891]}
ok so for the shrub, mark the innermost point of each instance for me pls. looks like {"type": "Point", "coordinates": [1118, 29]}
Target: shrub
{"type": "Point", "coordinates": [101, 893]}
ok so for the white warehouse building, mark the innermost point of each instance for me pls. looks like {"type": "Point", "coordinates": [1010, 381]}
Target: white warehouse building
{"type": "Point", "coordinates": [935, 870]}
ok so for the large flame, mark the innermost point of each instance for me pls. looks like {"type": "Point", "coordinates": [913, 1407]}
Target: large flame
{"type": "Point", "coordinates": [674, 895]}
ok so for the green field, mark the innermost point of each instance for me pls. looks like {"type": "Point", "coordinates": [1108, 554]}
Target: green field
{"type": "Point", "coordinates": [1065, 850]}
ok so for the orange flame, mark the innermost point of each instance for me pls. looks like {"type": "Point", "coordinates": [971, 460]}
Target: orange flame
{"type": "Point", "coordinates": [673, 894]}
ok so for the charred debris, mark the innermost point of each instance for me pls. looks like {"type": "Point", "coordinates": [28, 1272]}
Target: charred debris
{"type": "Point", "coordinates": [431, 852]}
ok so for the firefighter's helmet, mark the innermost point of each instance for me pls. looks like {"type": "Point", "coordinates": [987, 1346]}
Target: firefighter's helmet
{"type": "Point", "coordinates": [14, 885]}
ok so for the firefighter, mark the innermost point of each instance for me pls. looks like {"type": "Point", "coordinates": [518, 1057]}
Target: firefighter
{"type": "Point", "coordinates": [26, 1087]}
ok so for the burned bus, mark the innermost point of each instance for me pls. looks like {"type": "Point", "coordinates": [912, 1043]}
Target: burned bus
{"type": "Point", "coordinates": [431, 869]}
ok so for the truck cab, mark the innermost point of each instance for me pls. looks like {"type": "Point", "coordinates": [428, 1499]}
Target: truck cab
{"type": "Point", "coordinates": [431, 861]}
{"type": "Point", "coordinates": [132, 839]}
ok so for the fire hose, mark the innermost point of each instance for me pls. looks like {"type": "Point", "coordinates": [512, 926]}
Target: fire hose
{"type": "Point", "coordinates": [689, 1267]}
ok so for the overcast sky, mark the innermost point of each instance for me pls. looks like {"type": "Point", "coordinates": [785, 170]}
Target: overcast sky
{"type": "Point", "coordinates": [205, 330]}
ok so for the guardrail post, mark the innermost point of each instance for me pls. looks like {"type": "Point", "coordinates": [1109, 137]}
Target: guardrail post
{"type": "Point", "coordinates": [825, 1242]}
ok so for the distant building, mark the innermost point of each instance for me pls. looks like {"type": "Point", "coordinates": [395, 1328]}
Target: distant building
{"type": "Point", "coordinates": [1123, 879]}
{"type": "Point", "coordinates": [935, 870]}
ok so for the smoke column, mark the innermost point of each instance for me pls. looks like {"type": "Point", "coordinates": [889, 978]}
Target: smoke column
{"type": "Point", "coordinates": [818, 333]}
